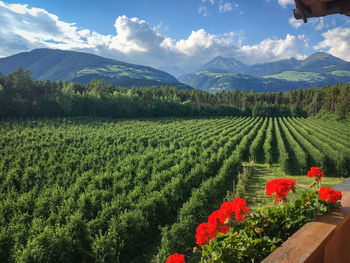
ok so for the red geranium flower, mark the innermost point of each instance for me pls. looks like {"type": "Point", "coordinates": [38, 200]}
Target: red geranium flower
{"type": "Point", "coordinates": [241, 209]}
{"type": "Point", "coordinates": [216, 223]}
{"type": "Point", "coordinates": [176, 258]}
{"type": "Point", "coordinates": [315, 172]}
{"type": "Point", "coordinates": [204, 233]}
{"type": "Point", "coordinates": [329, 195]}
{"type": "Point", "coordinates": [219, 219]}
{"type": "Point", "coordinates": [227, 210]}
{"type": "Point", "coordinates": [280, 187]}
{"type": "Point", "coordinates": [238, 207]}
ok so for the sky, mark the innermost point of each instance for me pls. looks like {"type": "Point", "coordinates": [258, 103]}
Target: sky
{"type": "Point", "coordinates": [176, 35]}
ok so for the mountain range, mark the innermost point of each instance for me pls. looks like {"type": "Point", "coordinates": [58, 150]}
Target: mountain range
{"type": "Point", "coordinates": [220, 74]}
{"type": "Point", "coordinates": [55, 65]}
{"type": "Point", "coordinates": [225, 74]}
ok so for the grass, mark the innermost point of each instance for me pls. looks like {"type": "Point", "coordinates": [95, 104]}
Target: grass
{"type": "Point", "coordinates": [341, 73]}
{"type": "Point", "coordinates": [219, 75]}
{"type": "Point", "coordinates": [297, 76]}
{"type": "Point", "coordinates": [325, 116]}
{"type": "Point", "coordinates": [256, 195]}
{"type": "Point", "coordinates": [118, 71]}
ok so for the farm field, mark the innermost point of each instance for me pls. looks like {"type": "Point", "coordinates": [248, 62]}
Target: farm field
{"type": "Point", "coordinates": [128, 190]}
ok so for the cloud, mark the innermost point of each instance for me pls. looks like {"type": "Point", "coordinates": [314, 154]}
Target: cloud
{"type": "Point", "coordinates": [318, 23]}
{"type": "Point", "coordinates": [274, 49]}
{"type": "Point", "coordinates": [284, 3]}
{"type": "Point", "coordinates": [202, 10]}
{"type": "Point", "coordinates": [321, 24]}
{"type": "Point", "coordinates": [209, 1]}
{"type": "Point", "coordinates": [225, 7]}
{"type": "Point", "coordinates": [24, 28]}
{"type": "Point", "coordinates": [135, 41]}
{"type": "Point", "coordinates": [295, 23]}
{"type": "Point", "coordinates": [222, 6]}
{"type": "Point", "coordinates": [336, 42]}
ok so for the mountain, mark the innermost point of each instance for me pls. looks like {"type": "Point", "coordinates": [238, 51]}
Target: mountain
{"type": "Point", "coordinates": [322, 63]}
{"type": "Point", "coordinates": [221, 64]}
{"type": "Point", "coordinates": [275, 67]}
{"type": "Point", "coordinates": [173, 70]}
{"type": "Point", "coordinates": [55, 65]}
{"type": "Point", "coordinates": [216, 82]}
{"type": "Point", "coordinates": [319, 69]}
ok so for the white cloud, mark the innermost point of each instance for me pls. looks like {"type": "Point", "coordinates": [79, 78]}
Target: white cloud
{"type": "Point", "coordinates": [24, 28]}
{"type": "Point", "coordinates": [135, 41]}
{"type": "Point", "coordinates": [336, 42]}
{"type": "Point", "coordinates": [295, 23]}
{"type": "Point", "coordinates": [225, 7]}
{"type": "Point", "coordinates": [321, 24]}
{"type": "Point", "coordinates": [202, 10]}
{"type": "Point", "coordinates": [284, 3]}
{"type": "Point", "coordinates": [222, 6]}
{"type": "Point", "coordinates": [274, 49]}
{"type": "Point", "coordinates": [318, 23]}
{"type": "Point", "coordinates": [209, 1]}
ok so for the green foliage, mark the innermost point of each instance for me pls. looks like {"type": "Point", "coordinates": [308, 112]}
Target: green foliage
{"type": "Point", "coordinates": [23, 97]}
{"type": "Point", "coordinates": [284, 157]}
{"type": "Point", "coordinates": [102, 190]}
{"type": "Point", "coordinates": [268, 143]}
{"type": "Point", "coordinates": [243, 181]}
{"type": "Point", "coordinates": [298, 76]}
{"type": "Point", "coordinates": [255, 152]}
{"type": "Point", "coordinates": [264, 231]}
{"type": "Point", "coordinates": [296, 151]}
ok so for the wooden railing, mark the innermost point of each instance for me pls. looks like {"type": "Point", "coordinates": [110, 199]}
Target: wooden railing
{"type": "Point", "coordinates": [325, 240]}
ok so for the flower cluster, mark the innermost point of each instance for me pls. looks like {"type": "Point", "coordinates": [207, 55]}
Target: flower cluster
{"type": "Point", "coordinates": [245, 235]}
{"type": "Point", "coordinates": [218, 221]}
{"type": "Point", "coordinates": [316, 172]}
{"type": "Point", "coordinates": [238, 206]}
{"type": "Point", "coordinates": [280, 187]}
{"type": "Point", "coordinates": [329, 195]}
{"type": "Point", "coordinates": [176, 258]}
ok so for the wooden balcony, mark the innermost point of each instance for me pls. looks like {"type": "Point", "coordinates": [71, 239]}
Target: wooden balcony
{"type": "Point", "coordinates": [327, 239]}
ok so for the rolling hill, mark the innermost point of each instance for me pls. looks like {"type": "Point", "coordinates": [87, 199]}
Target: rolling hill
{"type": "Point", "coordinates": [214, 82]}
{"type": "Point", "coordinates": [224, 74]}
{"type": "Point", "coordinates": [55, 65]}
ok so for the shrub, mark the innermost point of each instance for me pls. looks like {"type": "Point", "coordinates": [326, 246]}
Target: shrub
{"type": "Point", "coordinates": [232, 234]}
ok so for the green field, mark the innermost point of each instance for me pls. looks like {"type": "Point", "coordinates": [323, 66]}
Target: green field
{"type": "Point", "coordinates": [256, 193]}
{"type": "Point", "coordinates": [118, 71]}
{"type": "Point", "coordinates": [91, 190]}
{"type": "Point", "coordinates": [341, 73]}
{"type": "Point", "coordinates": [298, 76]}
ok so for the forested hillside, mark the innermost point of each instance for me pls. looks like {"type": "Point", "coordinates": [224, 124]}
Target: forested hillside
{"type": "Point", "coordinates": [22, 97]}
{"type": "Point", "coordinates": [226, 74]}
{"type": "Point", "coordinates": [55, 65]}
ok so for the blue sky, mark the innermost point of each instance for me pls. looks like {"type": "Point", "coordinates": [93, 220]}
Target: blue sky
{"type": "Point", "coordinates": [171, 33]}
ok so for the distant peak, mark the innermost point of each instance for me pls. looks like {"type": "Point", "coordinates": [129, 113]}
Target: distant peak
{"type": "Point", "coordinates": [323, 55]}
{"type": "Point", "coordinates": [320, 55]}
{"type": "Point", "coordinates": [218, 58]}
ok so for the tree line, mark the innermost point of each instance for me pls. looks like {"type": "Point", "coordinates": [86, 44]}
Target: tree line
{"type": "Point", "coordinates": [21, 96]}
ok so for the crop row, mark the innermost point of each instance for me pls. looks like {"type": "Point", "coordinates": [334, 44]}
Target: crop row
{"type": "Point", "coordinates": [206, 198]}
{"type": "Point", "coordinates": [300, 145]}
{"type": "Point", "coordinates": [92, 190]}
{"type": "Point", "coordinates": [142, 182]}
